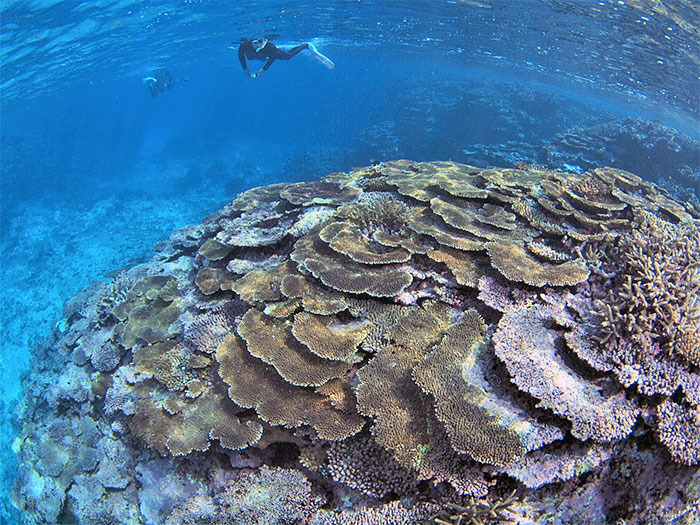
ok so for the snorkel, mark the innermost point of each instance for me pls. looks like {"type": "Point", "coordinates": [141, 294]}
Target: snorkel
{"type": "Point", "coordinates": [259, 43]}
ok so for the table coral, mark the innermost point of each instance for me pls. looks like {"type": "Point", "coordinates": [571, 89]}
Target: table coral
{"type": "Point", "coordinates": [413, 333]}
{"type": "Point", "coordinates": [149, 313]}
{"type": "Point", "coordinates": [211, 280]}
{"type": "Point", "coordinates": [272, 341]}
{"type": "Point", "coordinates": [528, 347]}
{"type": "Point", "coordinates": [315, 299]}
{"type": "Point", "coordinates": [346, 238]}
{"type": "Point", "coordinates": [253, 384]}
{"type": "Point", "coordinates": [478, 416]}
{"type": "Point", "coordinates": [341, 273]}
{"type": "Point", "coordinates": [469, 218]}
{"type": "Point", "coordinates": [214, 250]}
{"type": "Point", "coordinates": [205, 331]}
{"type": "Point", "coordinates": [330, 339]}
{"type": "Point", "coordinates": [319, 192]}
{"type": "Point", "coordinates": [263, 285]}
{"type": "Point", "coordinates": [513, 261]}
{"type": "Point", "coordinates": [471, 428]}
{"type": "Point", "coordinates": [258, 226]}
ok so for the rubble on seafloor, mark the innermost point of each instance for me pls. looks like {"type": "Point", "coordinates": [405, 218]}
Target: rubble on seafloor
{"type": "Point", "coordinates": [406, 343]}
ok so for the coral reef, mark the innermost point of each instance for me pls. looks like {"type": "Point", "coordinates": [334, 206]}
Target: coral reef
{"type": "Point", "coordinates": [641, 146]}
{"type": "Point", "coordinates": [650, 149]}
{"type": "Point", "coordinates": [405, 343]}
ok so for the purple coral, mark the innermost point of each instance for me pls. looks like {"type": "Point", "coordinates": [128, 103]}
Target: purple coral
{"type": "Point", "coordinates": [105, 357]}
{"type": "Point", "coordinates": [363, 465]}
{"type": "Point", "coordinates": [273, 496]}
{"type": "Point", "coordinates": [679, 430]}
{"type": "Point", "coordinates": [528, 347]}
{"type": "Point", "coordinates": [394, 513]}
{"type": "Point", "coordinates": [207, 330]}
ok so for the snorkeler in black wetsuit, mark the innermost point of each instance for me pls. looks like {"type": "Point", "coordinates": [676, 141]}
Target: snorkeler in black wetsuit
{"type": "Point", "coordinates": [263, 49]}
{"type": "Point", "coordinates": [160, 81]}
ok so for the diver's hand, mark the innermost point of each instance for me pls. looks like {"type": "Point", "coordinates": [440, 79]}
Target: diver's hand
{"type": "Point", "coordinates": [247, 72]}
{"type": "Point", "coordinates": [258, 73]}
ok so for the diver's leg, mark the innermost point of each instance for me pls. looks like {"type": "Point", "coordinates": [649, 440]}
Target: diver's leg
{"type": "Point", "coordinates": [320, 57]}
{"type": "Point", "coordinates": [286, 55]}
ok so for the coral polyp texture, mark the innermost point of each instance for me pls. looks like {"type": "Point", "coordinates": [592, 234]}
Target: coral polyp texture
{"type": "Point", "coordinates": [405, 343]}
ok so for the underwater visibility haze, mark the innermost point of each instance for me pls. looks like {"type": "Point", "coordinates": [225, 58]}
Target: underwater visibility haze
{"type": "Point", "coordinates": [442, 265]}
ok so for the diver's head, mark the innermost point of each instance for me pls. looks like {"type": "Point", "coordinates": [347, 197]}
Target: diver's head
{"type": "Point", "coordinates": [259, 43]}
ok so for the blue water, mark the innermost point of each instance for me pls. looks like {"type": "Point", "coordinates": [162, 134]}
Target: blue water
{"type": "Point", "coordinates": [95, 170]}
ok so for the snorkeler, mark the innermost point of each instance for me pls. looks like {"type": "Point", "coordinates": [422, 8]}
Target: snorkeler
{"type": "Point", "coordinates": [160, 81]}
{"type": "Point", "coordinates": [263, 49]}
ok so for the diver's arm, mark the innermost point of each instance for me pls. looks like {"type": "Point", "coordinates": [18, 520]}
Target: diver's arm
{"type": "Point", "coordinates": [241, 59]}
{"type": "Point", "coordinates": [264, 68]}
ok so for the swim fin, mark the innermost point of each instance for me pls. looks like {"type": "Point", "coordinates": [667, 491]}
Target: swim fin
{"type": "Point", "coordinates": [321, 57]}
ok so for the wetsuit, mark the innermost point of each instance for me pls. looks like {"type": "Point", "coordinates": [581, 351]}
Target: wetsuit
{"type": "Point", "coordinates": [269, 52]}
{"type": "Point", "coordinates": [162, 80]}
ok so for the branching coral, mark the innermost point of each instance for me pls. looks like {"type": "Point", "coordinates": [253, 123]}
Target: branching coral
{"type": "Point", "coordinates": [273, 496]}
{"type": "Point", "coordinates": [650, 321]}
{"type": "Point", "coordinates": [478, 512]}
{"type": "Point", "coordinates": [679, 430]}
{"type": "Point", "coordinates": [363, 465]}
{"type": "Point", "coordinates": [658, 298]}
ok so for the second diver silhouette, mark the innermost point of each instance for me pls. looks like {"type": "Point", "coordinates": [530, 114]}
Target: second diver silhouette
{"type": "Point", "coordinates": [263, 49]}
{"type": "Point", "coordinates": [160, 81]}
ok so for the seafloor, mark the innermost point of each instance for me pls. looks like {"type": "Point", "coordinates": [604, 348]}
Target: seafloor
{"type": "Point", "coordinates": [404, 343]}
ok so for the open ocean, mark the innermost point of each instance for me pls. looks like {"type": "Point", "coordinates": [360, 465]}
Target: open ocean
{"type": "Point", "coordinates": [95, 171]}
